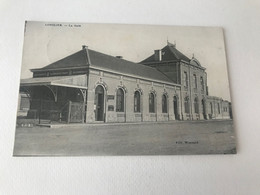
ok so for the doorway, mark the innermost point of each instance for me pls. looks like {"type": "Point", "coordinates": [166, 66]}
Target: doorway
{"type": "Point", "coordinates": [175, 107]}
{"type": "Point", "coordinates": [99, 103]}
{"type": "Point", "coordinates": [204, 109]}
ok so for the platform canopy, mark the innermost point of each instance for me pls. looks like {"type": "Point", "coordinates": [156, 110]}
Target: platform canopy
{"type": "Point", "coordinates": [79, 81]}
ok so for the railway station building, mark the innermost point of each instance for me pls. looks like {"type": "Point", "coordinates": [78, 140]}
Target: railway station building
{"type": "Point", "coordinates": [92, 87]}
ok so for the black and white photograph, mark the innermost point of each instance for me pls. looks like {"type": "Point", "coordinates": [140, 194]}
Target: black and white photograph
{"type": "Point", "coordinates": [123, 89]}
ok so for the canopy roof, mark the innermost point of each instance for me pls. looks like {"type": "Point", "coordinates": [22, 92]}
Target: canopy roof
{"type": "Point", "coordinates": [78, 81]}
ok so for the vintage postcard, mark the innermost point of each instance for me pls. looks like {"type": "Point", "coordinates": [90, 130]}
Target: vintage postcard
{"type": "Point", "coordinates": [110, 89]}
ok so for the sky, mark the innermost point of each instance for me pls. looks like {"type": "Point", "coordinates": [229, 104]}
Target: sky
{"type": "Point", "coordinates": [47, 42]}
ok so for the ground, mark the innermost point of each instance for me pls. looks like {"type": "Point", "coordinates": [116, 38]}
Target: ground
{"type": "Point", "coordinates": [170, 138]}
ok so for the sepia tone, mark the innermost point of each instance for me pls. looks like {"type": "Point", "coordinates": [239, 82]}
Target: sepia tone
{"type": "Point", "coordinates": [162, 104]}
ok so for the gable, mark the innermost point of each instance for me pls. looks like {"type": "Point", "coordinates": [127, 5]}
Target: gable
{"type": "Point", "coordinates": [169, 53]}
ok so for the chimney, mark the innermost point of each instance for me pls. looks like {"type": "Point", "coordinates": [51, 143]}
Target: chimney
{"type": "Point", "coordinates": [84, 47]}
{"type": "Point", "coordinates": [119, 57]}
{"type": "Point", "coordinates": [171, 45]}
{"type": "Point", "coordinates": [158, 55]}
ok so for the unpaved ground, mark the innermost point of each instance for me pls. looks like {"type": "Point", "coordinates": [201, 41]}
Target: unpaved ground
{"type": "Point", "coordinates": [181, 137]}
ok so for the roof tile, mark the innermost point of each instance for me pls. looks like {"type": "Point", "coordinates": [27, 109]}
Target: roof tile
{"type": "Point", "coordinates": [103, 61]}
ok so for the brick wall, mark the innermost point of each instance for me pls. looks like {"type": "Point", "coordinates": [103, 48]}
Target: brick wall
{"type": "Point", "coordinates": [111, 82]}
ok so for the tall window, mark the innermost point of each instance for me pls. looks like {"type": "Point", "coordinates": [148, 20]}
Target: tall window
{"type": "Point", "coordinates": [137, 101]}
{"type": "Point", "coordinates": [196, 105]}
{"type": "Point", "coordinates": [218, 108]}
{"type": "Point", "coordinates": [185, 79]}
{"type": "Point", "coordinates": [202, 83]}
{"type": "Point", "coordinates": [164, 104]}
{"type": "Point", "coordinates": [187, 105]}
{"type": "Point", "coordinates": [211, 108]}
{"type": "Point", "coordinates": [151, 103]}
{"type": "Point", "coordinates": [195, 81]}
{"type": "Point", "coordinates": [120, 100]}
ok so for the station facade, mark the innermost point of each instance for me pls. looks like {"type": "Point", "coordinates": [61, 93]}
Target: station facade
{"type": "Point", "coordinates": [92, 87]}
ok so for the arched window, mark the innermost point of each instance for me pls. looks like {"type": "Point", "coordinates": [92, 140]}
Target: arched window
{"type": "Point", "coordinates": [120, 100]}
{"type": "Point", "coordinates": [164, 104]}
{"type": "Point", "coordinates": [196, 105]}
{"type": "Point", "coordinates": [187, 105]}
{"type": "Point", "coordinates": [211, 108]}
{"type": "Point", "coordinates": [137, 101]}
{"type": "Point", "coordinates": [195, 81]}
{"type": "Point", "coordinates": [186, 79]}
{"type": "Point", "coordinates": [151, 103]}
{"type": "Point", "coordinates": [202, 83]}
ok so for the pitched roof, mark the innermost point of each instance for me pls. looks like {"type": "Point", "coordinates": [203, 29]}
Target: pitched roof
{"type": "Point", "coordinates": [77, 59]}
{"type": "Point", "coordinates": [169, 53]}
{"type": "Point", "coordinates": [120, 65]}
{"type": "Point", "coordinates": [107, 62]}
